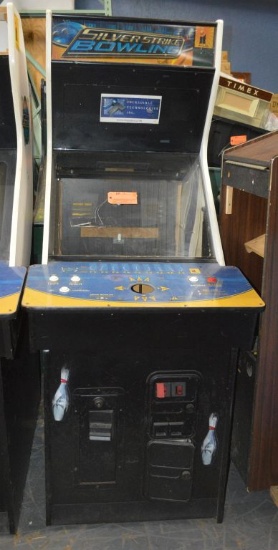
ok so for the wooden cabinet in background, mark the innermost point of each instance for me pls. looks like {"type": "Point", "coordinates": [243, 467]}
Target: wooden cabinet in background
{"type": "Point", "coordinates": [249, 231]}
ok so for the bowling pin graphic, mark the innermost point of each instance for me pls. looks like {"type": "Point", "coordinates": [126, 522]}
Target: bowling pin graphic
{"type": "Point", "coordinates": [209, 445]}
{"type": "Point", "coordinates": [60, 401]}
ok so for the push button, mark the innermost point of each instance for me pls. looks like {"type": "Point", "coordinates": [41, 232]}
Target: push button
{"type": "Point", "coordinates": [212, 280]}
{"type": "Point", "coordinates": [193, 279]}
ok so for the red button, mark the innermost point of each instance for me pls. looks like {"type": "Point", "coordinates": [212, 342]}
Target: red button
{"type": "Point", "coordinates": [212, 280]}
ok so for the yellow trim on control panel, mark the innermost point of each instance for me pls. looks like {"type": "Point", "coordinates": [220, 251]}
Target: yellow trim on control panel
{"type": "Point", "coordinates": [9, 304]}
{"type": "Point", "coordinates": [37, 299]}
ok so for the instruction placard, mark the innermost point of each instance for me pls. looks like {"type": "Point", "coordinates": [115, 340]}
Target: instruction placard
{"type": "Point", "coordinates": [140, 109]}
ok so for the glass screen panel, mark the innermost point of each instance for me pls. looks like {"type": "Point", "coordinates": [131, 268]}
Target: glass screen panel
{"type": "Point", "coordinates": [122, 216]}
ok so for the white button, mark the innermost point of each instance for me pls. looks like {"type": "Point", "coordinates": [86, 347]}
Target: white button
{"type": "Point", "coordinates": [53, 278]}
{"type": "Point", "coordinates": [75, 279]}
{"type": "Point", "coordinates": [64, 289]}
{"type": "Point", "coordinates": [193, 279]}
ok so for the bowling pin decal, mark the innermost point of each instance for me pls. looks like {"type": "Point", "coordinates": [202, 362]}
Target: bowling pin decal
{"type": "Point", "coordinates": [60, 401]}
{"type": "Point", "coordinates": [209, 445]}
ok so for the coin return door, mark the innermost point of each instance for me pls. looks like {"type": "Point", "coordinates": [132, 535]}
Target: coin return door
{"type": "Point", "coordinates": [171, 421]}
{"type": "Point", "coordinates": [98, 426]}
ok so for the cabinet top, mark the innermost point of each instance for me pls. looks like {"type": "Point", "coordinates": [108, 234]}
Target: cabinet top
{"type": "Point", "coordinates": [260, 150]}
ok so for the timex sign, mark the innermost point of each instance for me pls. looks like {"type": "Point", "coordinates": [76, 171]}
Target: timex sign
{"type": "Point", "coordinates": [245, 88]}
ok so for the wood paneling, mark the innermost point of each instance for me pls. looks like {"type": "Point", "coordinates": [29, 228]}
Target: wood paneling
{"type": "Point", "coordinates": [252, 216]}
{"type": "Point", "coordinates": [247, 221]}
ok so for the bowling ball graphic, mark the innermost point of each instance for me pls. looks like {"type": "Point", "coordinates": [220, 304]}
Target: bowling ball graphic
{"type": "Point", "coordinates": [64, 33]}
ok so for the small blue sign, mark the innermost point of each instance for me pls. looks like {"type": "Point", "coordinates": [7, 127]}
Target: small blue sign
{"type": "Point", "coordinates": [139, 109]}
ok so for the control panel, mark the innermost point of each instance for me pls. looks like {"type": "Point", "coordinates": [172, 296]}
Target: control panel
{"type": "Point", "coordinates": [11, 284]}
{"type": "Point", "coordinates": [137, 284]}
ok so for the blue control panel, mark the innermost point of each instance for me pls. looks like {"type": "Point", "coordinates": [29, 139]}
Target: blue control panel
{"type": "Point", "coordinates": [135, 283]}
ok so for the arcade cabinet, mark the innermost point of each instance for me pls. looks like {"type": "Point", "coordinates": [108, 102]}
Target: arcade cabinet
{"type": "Point", "coordinates": [19, 370]}
{"type": "Point", "coordinates": [138, 320]}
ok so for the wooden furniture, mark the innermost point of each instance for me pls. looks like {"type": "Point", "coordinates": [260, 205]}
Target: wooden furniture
{"type": "Point", "coordinates": [249, 212]}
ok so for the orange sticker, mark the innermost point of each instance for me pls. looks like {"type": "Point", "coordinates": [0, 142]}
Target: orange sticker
{"type": "Point", "coordinates": [122, 197]}
{"type": "Point", "coordinates": [237, 140]}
